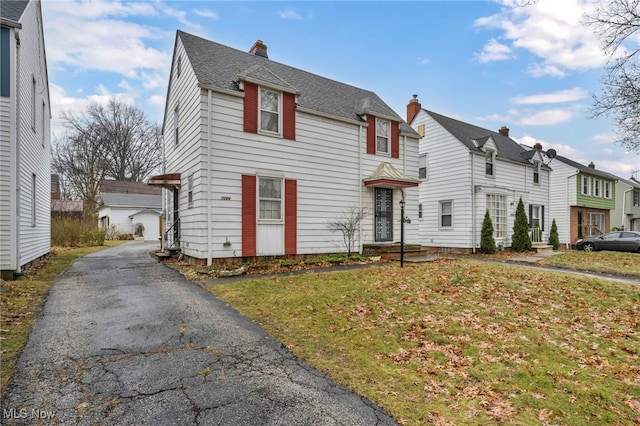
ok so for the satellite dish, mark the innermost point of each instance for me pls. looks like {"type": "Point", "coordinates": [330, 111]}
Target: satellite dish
{"type": "Point", "coordinates": [551, 153]}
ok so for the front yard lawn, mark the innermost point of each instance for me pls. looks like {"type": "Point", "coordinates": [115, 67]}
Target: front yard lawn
{"type": "Point", "coordinates": [600, 261]}
{"type": "Point", "coordinates": [462, 341]}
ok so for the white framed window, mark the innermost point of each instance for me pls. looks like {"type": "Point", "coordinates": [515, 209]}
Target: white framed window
{"type": "Point", "coordinates": [190, 190]}
{"type": "Point", "coordinates": [489, 159]}
{"type": "Point", "coordinates": [270, 198]}
{"type": "Point", "coordinates": [422, 169]}
{"type": "Point", "coordinates": [43, 125]}
{"type": "Point", "coordinates": [269, 111]}
{"type": "Point", "coordinates": [420, 211]}
{"type": "Point", "coordinates": [536, 173]}
{"type": "Point", "coordinates": [179, 66]}
{"type": "Point", "coordinates": [607, 189]}
{"type": "Point", "coordinates": [176, 125]}
{"type": "Point", "coordinates": [497, 207]}
{"type": "Point", "coordinates": [596, 187]}
{"type": "Point", "coordinates": [33, 103]}
{"type": "Point", "coordinates": [446, 214]}
{"type": "Point", "coordinates": [382, 136]}
{"type": "Point", "coordinates": [586, 187]}
{"type": "Point", "coordinates": [636, 198]}
{"type": "Point", "coordinates": [596, 224]}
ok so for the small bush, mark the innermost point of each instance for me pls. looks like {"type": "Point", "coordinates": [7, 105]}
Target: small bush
{"type": "Point", "coordinates": [487, 242]}
{"type": "Point", "coordinates": [520, 240]}
{"type": "Point", "coordinates": [554, 239]}
{"type": "Point", "coordinates": [74, 232]}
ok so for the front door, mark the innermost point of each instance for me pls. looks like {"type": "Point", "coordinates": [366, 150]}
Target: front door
{"type": "Point", "coordinates": [383, 214]}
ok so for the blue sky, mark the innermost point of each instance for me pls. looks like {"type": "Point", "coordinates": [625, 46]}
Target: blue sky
{"type": "Point", "coordinates": [489, 63]}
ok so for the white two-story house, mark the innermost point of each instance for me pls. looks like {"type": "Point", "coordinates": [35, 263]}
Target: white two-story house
{"type": "Point", "coordinates": [25, 150]}
{"type": "Point", "coordinates": [466, 170]}
{"type": "Point", "coordinates": [262, 157]}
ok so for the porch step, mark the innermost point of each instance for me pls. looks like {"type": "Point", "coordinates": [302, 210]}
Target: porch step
{"type": "Point", "coordinates": [542, 247]}
{"type": "Point", "coordinates": [168, 253]}
{"type": "Point", "coordinates": [392, 250]}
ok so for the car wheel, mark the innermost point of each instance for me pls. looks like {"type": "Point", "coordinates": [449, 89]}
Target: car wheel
{"type": "Point", "coordinates": [588, 247]}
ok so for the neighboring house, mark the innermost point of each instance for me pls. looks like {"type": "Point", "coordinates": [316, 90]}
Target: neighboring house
{"type": "Point", "coordinates": [130, 208]}
{"type": "Point", "coordinates": [25, 150]}
{"type": "Point", "coordinates": [261, 157]}
{"type": "Point", "coordinates": [582, 198]}
{"type": "Point", "coordinates": [626, 214]}
{"type": "Point", "coordinates": [466, 170]}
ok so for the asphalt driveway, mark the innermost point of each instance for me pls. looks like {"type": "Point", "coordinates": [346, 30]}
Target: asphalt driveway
{"type": "Point", "coordinates": [124, 340]}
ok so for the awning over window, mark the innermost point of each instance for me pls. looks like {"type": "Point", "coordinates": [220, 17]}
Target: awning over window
{"type": "Point", "coordinates": [387, 175]}
{"type": "Point", "coordinates": [166, 181]}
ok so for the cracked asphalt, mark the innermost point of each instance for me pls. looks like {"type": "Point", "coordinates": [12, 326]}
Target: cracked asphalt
{"type": "Point", "coordinates": [124, 340]}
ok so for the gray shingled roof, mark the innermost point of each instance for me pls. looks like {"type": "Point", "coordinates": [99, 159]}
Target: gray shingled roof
{"type": "Point", "coordinates": [220, 66]}
{"type": "Point", "coordinates": [467, 133]}
{"type": "Point", "coordinates": [12, 9]}
{"type": "Point", "coordinates": [586, 169]}
{"type": "Point", "coordinates": [132, 200]}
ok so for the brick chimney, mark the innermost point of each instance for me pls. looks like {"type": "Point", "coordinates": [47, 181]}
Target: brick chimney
{"type": "Point", "coordinates": [591, 165]}
{"type": "Point", "coordinates": [504, 130]}
{"type": "Point", "coordinates": [259, 49]}
{"type": "Point", "coordinates": [537, 146]}
{"type": "Point", "coordinates": [413, 107]}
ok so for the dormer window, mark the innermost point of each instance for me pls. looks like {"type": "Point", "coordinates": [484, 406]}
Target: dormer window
{"type": "Point", "coordinates": [269, 111]}
{"type": "Point", "coordinates": [489, 160]}
{"type": "Point", "coordinates": [536, 173]}
{"type": "Point", "coordinates": [382, 136]}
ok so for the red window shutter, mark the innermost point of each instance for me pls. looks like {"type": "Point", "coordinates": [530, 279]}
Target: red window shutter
{"type": "Point", "coordinates": [371, 134]}
{"type": "Point", "coordinates": [250, 107]}
{"type": "Point", "coordinates": [290, 216]}
{"type": "Point", "coordinates": [395, 139]}
{"type": "Point", "coordinates": [289, 116]}
{"type": "Point", "coordinates": [248, 215]}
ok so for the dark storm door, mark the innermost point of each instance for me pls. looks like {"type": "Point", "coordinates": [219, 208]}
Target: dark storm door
{"type": "Point", "coordinates": [383, 214]}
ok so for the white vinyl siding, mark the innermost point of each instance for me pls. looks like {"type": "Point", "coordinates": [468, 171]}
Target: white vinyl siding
{"type": "Point", "coordinates": [323, 162]}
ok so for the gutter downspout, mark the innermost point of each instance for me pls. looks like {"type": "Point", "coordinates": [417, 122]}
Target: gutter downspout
{"type": "Point", "coordinates": [473, 203]}
{"type": "Point", "coordinates": [360, 187]}
{"type": "Point", "coordinates": [18, 143]}
{"type": "Point", "coordinates": [209, 184]}
{"type": "Point", "coordinates": [624, 199]}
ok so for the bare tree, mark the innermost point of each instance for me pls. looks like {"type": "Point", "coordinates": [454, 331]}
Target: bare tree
{"type": "Point", "coordinates": [349, 225]}
{"type": "Point", "coordinates": [81, 161]}
{"type": "Point", "coordinates": [617, 23]}
{"type": "Point", "coordinates": [114, 141]}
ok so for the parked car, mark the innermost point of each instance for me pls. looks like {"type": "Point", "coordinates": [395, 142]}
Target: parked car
{"type": "Point", "coordinates": [616, 241]}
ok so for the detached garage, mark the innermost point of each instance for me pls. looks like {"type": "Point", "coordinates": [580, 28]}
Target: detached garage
{"type": "Point", "coordinates": [136, 214]}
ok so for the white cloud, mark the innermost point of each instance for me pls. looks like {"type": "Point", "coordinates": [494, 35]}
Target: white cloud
{"type": "Point", "coordinates": [560, 96]}
{"type": "Point", "coordinates": [494, 51]}
{"type": "Point", "coordinates": [604, 138]}
{"type": "Point", "coordinates": [289, 14]}
{"type": "Point", "coordinates": [553, 31]}
{"type": "Point", "coordinates": [547, 117]}
{"type": "Point", "coordinates": [156, 100]}
{"type": "Point", "coordinates": [541, 70]}
{"type": "Point", "coordinates": [206, 13]}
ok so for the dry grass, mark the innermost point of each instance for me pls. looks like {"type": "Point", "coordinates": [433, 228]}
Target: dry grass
{"type": "Point", "coordinates": [461, 341]}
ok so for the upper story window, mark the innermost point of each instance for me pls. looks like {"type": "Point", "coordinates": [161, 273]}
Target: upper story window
{"type": "Point", "coordinates": [586, 187]}
{"type": "Point", "coordinates": [382, 136]}
{"type": "Point", "coordinates": [5, 62]}
{"type": "Point", "coordinates": [596, 188]}
{"type": "Point", "coordinates": [489, 159]}
{"type": "Point", "coordinates": [636, 198]}
{"type": "Point", "coordinates": [269, 111]}
{"type": "Point", "coordinates": [422, 169]}
{"type": "Point", "coordinates": [270, 198]}
{"type": "Point", "coordinates": [536, 172]}
{"type": "Point", "coordinates": [607, 189]}
{"type": "Point", "coordinates": [176, 125]}
{"type": "Point", "coordinates": [179, 66]}
{"type": "Point", "coordinates": [33, 103]}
